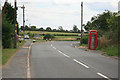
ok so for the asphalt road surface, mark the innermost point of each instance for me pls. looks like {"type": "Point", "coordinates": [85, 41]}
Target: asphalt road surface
{"type": "Point", "coordinates": [59, 59]}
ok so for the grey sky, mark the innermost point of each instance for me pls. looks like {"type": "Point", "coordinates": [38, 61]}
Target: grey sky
{"type": "Point", "coordinates": [66, 13]}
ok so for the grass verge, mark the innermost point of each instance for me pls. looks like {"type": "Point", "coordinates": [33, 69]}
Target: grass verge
{"type": "Point", "coordinates": [84, 45]}
{"type": "Point", "coordinates": [8, 53]}
{"type": "Point", "coordinates": [111, 50]}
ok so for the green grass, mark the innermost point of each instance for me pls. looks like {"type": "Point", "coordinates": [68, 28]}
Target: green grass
{"type": "Point", "coordinates": [8, 53]}
{"type": "Point", "coordinates": [111, 50]}
{"type": "Point", "coordinates": [83, 44]}
{"type": "Point", "coordinates": [67, 36]}
{"type": "Point", "coordinates": [45, 32]}
{"type": "Point", "coordinates": [20, 44]}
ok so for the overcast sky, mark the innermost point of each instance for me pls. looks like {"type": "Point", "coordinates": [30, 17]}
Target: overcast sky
{"type": "Point", "coordinates": [66, 13]}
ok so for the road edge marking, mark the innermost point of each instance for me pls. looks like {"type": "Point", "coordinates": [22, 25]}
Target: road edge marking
{"type": "Point", "coordinates": [100, 74]}
{"type": "Point", "coordinates": [28, 62]}
{"type": "Point", "coordinates": [80, 63]}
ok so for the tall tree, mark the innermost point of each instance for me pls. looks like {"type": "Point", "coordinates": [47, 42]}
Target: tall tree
{"type": "Point", "coordinates": [8, 26]}
{"type": "Point", "coordinates": [75, 29]}
{"type": "Point", "coordinates": [9, 12]}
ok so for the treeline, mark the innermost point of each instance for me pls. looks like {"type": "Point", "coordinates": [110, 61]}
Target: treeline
{"type": "Point", "coordinates": [49, 29]}
{"type": "Point", "coordinates": [107, 26]}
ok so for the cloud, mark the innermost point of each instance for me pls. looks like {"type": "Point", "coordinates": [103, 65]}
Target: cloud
{"type": "Point", "coordinates": [101, 6]}
{"type": "Point", "coordinates": [66, 13]}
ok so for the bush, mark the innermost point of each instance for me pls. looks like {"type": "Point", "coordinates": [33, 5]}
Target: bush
{"type": "Point", "coordinates": [48, 36]}
{"type": "Point", "coordinates": [84, 40]}
{"type": "Point", "coordinates": [7, 32]}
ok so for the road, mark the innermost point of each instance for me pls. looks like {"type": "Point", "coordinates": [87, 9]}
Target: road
{"type": "Point", "coordinates": [59, 59]}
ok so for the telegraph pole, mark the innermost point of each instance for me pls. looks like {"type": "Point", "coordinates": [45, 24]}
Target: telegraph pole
{"type": "Point", "coordinates": [15, 24]}
{"type": "Point", "coordinates": [23, 7]}
{"type": "Point", "coordinates": [81, 20]}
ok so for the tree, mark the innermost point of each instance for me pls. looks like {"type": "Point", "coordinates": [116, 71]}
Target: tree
{"type": "Point", "coordinates": [9, 11]}
{"type": "Point", "coordinates": [75, 29]}
{"type": "Point", "coordinates": [88, 26]}
{"type": "Point", "coordinates": [41, 29]}
{"type": "Point", "coordinates": [54, 30]}
{"type": "Point", "coordinates": [22, 28]}
{"type": "Point", "coordinates": [8, 26]}
{"type": "Point", "coordinates": [26, 27]}
{"type": "Point", "coordinates": [33, 28]}
{"type": "Point", "coordinates": [99, 22]}
{"type": "Point", "coordinates": [7, 32]}
{"type": "Point", "coordinates": [48, 29]}
{"type": "Point", "coordinates": [60, 28]}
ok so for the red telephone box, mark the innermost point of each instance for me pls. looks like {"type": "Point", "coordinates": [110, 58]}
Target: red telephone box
{"type": "Point", "coordinates": [92, 42]}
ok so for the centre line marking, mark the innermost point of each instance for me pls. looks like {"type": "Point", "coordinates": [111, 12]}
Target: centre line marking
{"type": "Point", "coordinates": [51, 44]}
{"type": "Point", "coordinates": [60, 52]}
{"type": "Point", "coordinates": [66, 55]}
{"type": "Point", "coordinates": [54, 47]}
{"type": "Point", "coordinates": [103, 76]}
{"type": "Point", "coordinates": [63, 54]}
{"type": "Point", "coordinates": [80, 63]}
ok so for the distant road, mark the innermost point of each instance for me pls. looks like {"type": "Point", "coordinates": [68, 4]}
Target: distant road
{"type": "Point", "coordinates": [60, 59]}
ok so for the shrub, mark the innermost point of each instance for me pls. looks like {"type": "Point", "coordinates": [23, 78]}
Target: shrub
{"type": "Point", "coordinates": [84, 40]}
{"type": "Point", "coordinates": [48, 36]}
{"type": "Point", "coordinates": [103, 42]}
{"type": "Point", "coordinates": [7, 32]}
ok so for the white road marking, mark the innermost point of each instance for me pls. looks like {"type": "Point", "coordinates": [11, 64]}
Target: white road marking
{"type": "Point", "coordinates": [60, 52]}
{"type": "Point", "coordinates": [51, 44]}
{"type": "Point", "coordinates": [80, 63]}
{"type": "Point", "coordinates": [103, 76]}
{"type": "Point", "coordinates": [28, 63]}
{"type": "Point", "coordinates": [63, 54]}
{"type": "Point", "coordinates": [54, 47]}
{"type": "Point", "coordinates": [66, 55]}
